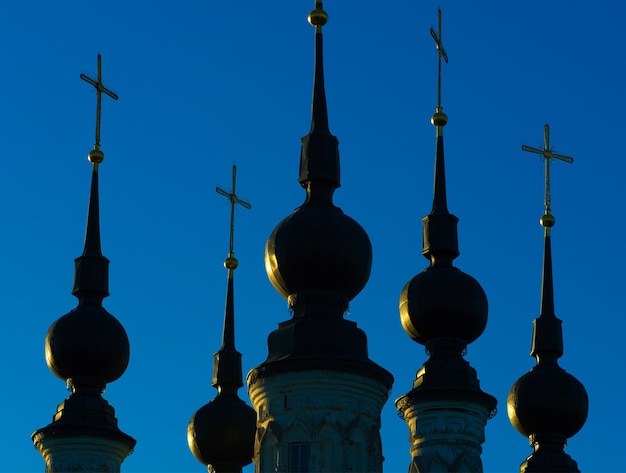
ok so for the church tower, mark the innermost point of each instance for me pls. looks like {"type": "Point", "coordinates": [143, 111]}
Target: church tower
{"type": "Point", "coordinates": [444, 309]}
{"type": "Point", "coordinates": [318, 396]}
{"type": "Point", "coordinates": [88, 348]}
{"type": "Point", "coordinates": [221, 433]}
{"type": "Point", "coordinates": [547, 404]}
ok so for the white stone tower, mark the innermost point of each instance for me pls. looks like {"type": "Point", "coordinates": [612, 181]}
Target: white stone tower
{"type": "Point", "coordinates": [318, 396]}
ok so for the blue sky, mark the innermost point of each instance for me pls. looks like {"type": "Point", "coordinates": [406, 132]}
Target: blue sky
{"type": "Point", "coordinates": [203, 85]}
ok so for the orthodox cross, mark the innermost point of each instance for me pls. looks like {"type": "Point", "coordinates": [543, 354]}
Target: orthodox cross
{"type": "Point", "coordinates": [441, 53]}
{"type": "Point", "coordinates": [548, 153]}
{"type": "Point", "coordinates": [234, 200]}
{"type": "Point", "coordinates": [99, 86]}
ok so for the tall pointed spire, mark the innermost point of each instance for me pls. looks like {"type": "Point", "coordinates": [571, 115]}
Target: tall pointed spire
{"type": "Point", "coordinates": [547, 404]}
{"type": "Point", "coordinates": [221, 433]}
{"type": "Point", "coordinates": [319, 158]}
{"type": "Point", "coordinates": [319, 259]}
{"type": "Point", "coordinates": [440, 238]}
{"type": "Point", "coordinates": [445, 310]}
{"type": "Point", "coordinates": [88, 348]}
{"type": "Point", "coordinates": [91, 278]}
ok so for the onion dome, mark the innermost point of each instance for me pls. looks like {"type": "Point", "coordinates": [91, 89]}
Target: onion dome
{"type": "Point", "coordinates": [547, 404]}
{"type": "Point", "coordinates": [221, 433]}
{"type": "Point", "coordinates": [318, 257]}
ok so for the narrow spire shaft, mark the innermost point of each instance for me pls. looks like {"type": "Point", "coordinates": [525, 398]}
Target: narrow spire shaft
{"type": "Point", "coordinates": [92, 235]}
{"type": "Point", "coordinates": [440, 200]}
{"type": "Point", "coordinates": [228, 337]}
{"type": "Point", "coordinates": [319, 111]}
{"type": "Point", "coordinates": [439, 228]}
{"type": "Point", "coordinates": [91, 273]}
{"type": "Point", "coordinates": [227, 371]}
{"type": "Point", "coordinates": [547, 341]}
{"type": "Point", "coordinates": [319, 157]}
{"type": "Point", "coordinates": [547, 286]}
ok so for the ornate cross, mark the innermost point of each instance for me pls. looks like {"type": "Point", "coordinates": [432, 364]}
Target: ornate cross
{"type": "Point", "coordinates": [99, 86]}
{"type": "Point", "coordinates": [441, 53]}
{"type": "Point", "coordinates": [548, 153]}
{"type": "Point", "coordinates": [234, 200]}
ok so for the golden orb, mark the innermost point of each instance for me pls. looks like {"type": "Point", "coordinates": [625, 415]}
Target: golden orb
{"type": "Point", "coordinates": [95, 156]}
{"type": "Point", "coordinates": [231, 262]}
{"type": "Point", "coordinates": [318, 17]}
{"type": "Point", "coordinates": [547, 220]}
{"type": "Point", "coordinates": [439, 118]}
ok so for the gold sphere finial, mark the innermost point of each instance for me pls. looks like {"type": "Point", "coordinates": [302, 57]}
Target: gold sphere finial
{"type": "Point", "coordinates": [231, 262]}
{"type": "Point", "coordinates": [95, 156]}
{"type": "Point", "coordinates": [547, 220]}
{"type": "Point", "coordinates": [439, 118]}
{"type": "Point", "coordinates": [318, 17]}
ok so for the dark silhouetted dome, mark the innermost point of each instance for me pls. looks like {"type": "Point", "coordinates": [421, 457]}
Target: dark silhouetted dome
{"type": "Point", "coordinates": [87, 342]}
{"type": "Point", "coordinates": [318, 249]}
{"type": "Point", "coordinates": [443, 302]}
{"type": "Point", "coordinates": [222, 432]}
{"type": "Point", "coordinates": [547, 399]}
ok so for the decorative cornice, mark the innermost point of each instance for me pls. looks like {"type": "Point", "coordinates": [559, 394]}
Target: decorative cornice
{"type": "Point", "coordinates": [417, 397]}
{"type": "Point", "coordinates": [369, 370]}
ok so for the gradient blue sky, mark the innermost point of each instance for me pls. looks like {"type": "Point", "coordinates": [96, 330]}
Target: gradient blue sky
{"type": "Point", "coordinates": [203, 85]}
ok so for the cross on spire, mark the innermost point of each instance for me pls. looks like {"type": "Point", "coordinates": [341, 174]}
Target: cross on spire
{"type": "Point", "coordinates": [234, 200]}
{"type": "Point", "coordinates": [548, 154]}
{"type": "Point", "coordinates": [441, 53]}
{"type": "Point", "coordinates": [99, 86]}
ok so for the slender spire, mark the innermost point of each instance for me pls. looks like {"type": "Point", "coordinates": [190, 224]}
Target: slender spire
{"type": "Point", "coordinates": [439, 227]}
{"type": "Point", "coordinates": [319, 158]}
{"type": "Point", "coordinates": [547, 404]}
{"type": "Point", "coordinates": [91, 274]}
{"type": "Point", "coordinates": [227, 364]}
{"type": "Point", "coordinates": [547, 335]}
{"type": "Point", "coordinates": [221, 433]}
{"type": "Point", "coordinates": [319, 111]}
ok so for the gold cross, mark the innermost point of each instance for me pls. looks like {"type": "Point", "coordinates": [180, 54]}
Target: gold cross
{"type": "Point", "coordinates": [99, 86]}
{"type": "Point", "coordinates": [548, 153]}
{"type": "Point", "coordinates": [441, 53]}
{"type": "Point", "coordinates": [234, 200]}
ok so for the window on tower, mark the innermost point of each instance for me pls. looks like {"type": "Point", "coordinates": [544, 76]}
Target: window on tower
{"type": "Point", "coordinates": [299, 454]}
